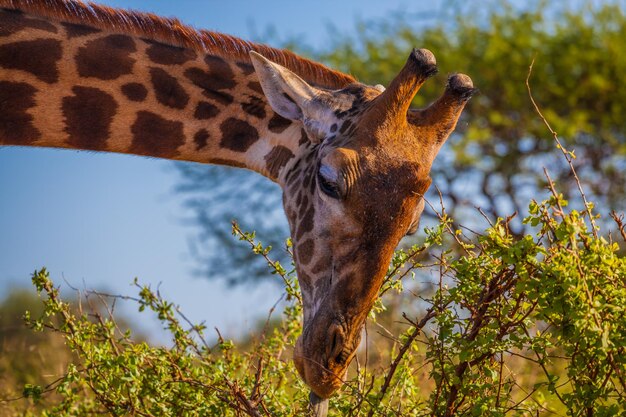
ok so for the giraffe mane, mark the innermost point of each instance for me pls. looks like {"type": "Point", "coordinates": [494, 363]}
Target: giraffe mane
{"type": "Point", "coordinates": [172, 31]}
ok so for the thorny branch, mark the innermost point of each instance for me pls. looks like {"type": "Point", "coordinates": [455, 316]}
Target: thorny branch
{"type": "Point", "coordinates": [498, 285]}
{"type": "Point", "coordinates": [417, 329]}
{"type": "Point", "coordinates": [272, 264]}
{"type": "Point", "coordinates": [619, 220]}
{"type": "Point", "coordinates": [567, 154]}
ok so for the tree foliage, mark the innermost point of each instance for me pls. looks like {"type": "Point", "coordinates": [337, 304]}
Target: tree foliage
{"type": "Point", "coordinates": [26, 357]}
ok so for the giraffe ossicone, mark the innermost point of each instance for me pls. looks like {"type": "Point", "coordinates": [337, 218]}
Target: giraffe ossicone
{"type": "Point", "coordinates": [353, 160]}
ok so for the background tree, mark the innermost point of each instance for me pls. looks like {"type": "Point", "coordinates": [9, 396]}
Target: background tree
{"type": "Point", "coordinates": [33, 362]}
{"type": "Point", "coordinates": [496, 158]}
{"type": "Point", "coordinates": [27, 357]}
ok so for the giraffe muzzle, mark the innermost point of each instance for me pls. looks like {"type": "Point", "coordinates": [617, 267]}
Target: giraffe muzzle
{"type": "Point", "coordinates": [323, 353]}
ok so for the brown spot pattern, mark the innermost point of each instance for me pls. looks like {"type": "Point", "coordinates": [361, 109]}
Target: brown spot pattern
{"type": "Point", "coordinates": [205, 110]}
{"type": "Point", "coordinates": [135, 91]}
{"type": "Point", "coordinates": [290, 178]}
{"type": "Point", "coordinates": [303, 138]}
{"type": "Point", "coordinates": [345, 126]}
{"type": "Point", "coordinates": [254, 107]}
{"type": "Point", "coordinates": [219, 77]}
{"type": "Point", "coordinates": [163, 54]}
{"type": "Point", "coordinates": [256, 86]}
{"type": "Point", "coordinates": [320, 266]}
{"type": "Point", "coordinates": [278, 123]}
{"type": "Point", "coordinates": [305, 200]}
{"type": "Point", "coordinates": [276, 159]}
{"type": "Point", "coordinates": [88, 115]}
{"type": "Point", "coordinates": [147, 25]}
{"type": "Point", "coordinates": [246, 68]}
{"type": "Point", "coordinates": [312, 184]}
{"type": "Point", "coordinates": [16, 127]}
{"type": "Point", "coordinates": [306, 223]}
{"type": "Point", "coordinates": [210, 87]}
{"type": "Point", "coordinates": [201, 138]}
{"type": "Point", "coordinates": [73, 30]}
{"type": "Point", "coordinates": [305, 282]}
{"type": "Point", "coordinates": [220, 68]}
{"type": "Point", "coordinates": [12, 21]}
{"type": "Point", "coordinates": [168, 90]}
{"type": "Point", "coordinates": [294, 173]}
{"type": "Point", "coordinates": [305, 251]}
{"type": "Point", "coordinates": [38, 57]}
{"type": "Point", "coordinates": [237, 135]}
{"type": "Point", "coordinates": [106, 58]}
{"type": "Point", "coordinates": [156, 136]}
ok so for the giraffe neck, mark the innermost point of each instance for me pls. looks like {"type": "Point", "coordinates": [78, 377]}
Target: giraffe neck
{"type": "Point", "coordinates": [65, 84]}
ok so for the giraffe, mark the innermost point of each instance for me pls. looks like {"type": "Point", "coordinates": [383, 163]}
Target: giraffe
{"type": "Point", "coordinates": [352, 160]}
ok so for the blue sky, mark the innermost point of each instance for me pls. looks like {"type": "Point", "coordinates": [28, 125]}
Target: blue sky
{"type": "Point", "coordinates": [99, 220]}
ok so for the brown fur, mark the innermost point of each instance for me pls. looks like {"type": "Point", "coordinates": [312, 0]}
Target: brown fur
{"type": "Point", "coordinates": [15, 100]}
{"type": "Point", "coordinates": [89, 113]}
{"type": "Point", "coordinates": [172, 31]}
{"type": "Point", "coordinates": [38, 57]}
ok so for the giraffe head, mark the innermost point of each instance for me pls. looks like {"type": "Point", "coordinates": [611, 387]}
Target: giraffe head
{"type": "Point", "coordinates": [353, 191]}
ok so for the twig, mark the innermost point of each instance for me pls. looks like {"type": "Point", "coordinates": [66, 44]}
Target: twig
{"type": "Point", "coordinates": [270, 262]}
{"type": "Point", "coordinates": [619, 219]}
{"type": "Point", "coordinates": [498, 285]}
{"type": "Point", "coordinates": [430, 313]}
{"type": "Point", "coordinates": [566, 154]}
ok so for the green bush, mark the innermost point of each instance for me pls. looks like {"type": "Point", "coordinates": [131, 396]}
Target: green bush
{"type": "Point", "coordinates": [519, 326]}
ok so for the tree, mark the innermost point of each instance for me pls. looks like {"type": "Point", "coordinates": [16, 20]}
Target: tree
{"type": "Point", "coordinates": [32, 363]}
{"type": "Point", "coordinates": [27, 358]}
{"type": "Point", "coordinates": [216, 195]}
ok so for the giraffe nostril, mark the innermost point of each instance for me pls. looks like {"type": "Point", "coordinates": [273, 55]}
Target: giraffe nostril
{"type": "Point", "coordinates": [342, 357]}
{"type": "Point", "coordinates": [336, 348]}
{"type": "Point", "coordinates": [336, 339]}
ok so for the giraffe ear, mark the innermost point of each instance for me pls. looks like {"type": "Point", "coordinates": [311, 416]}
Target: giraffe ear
{"type": "Point", "coordinates": [291, 96]}
{"type": "Point", "coordinates": [287, 93]}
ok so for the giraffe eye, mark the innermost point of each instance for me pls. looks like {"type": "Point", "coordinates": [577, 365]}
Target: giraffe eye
{"type": "Point", "coordinates": [327, 182]}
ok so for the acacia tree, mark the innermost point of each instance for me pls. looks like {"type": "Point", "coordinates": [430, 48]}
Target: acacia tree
{"type": "Point", "coordinates": [495, 160]}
